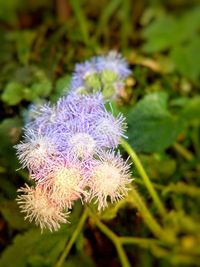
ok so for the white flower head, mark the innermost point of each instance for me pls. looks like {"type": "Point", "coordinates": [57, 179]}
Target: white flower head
{"type": "Point", "coordinates": [82, 145]}
{"type": "Point", "coordinates": [39, 208]}
{"type": "Point", "coordinates": [65, 184]}
{"type": "Point", "coordinates": [110, 129]}
{"type": "Point", "coordinates": [109, 179]}
{"type": "Point", "coordinates": [36, 151]}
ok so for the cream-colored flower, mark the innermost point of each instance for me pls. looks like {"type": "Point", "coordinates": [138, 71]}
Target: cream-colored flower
{"type": "Point", "coordinates": [39, 208]}
{"type": "Point", "coordinates": [65, 184]}
{"type": "Point", "coordinates": [109, 179]}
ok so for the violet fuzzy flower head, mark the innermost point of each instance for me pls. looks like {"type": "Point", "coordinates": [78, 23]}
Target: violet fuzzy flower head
{"type": "Point", "coordinates": [113, 70]}
{"type": "Point", "coordinates": [85, 78]}
{"type": "Point", "coordinates": [112, 65]}
{"type": "Point", "coordinates": [68, 148]}
{"type": "Point", "coordinates": [36, 151]}
{"type": "Point", "coordinates": [109, 179]}
{"type": "Point", "coordinates": [103, 73]}
{"type": "Point", "coordinates": [65, 182]}
{"type": "Point", "coordinates": [110, 129]}
{"type": "Point", "coordinates": [41, 118]}
{"type": "Point", "coordinates": [34, 202]}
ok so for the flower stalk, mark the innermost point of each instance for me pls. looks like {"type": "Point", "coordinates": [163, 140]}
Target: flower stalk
{"type": "Point", "coordinates": [144, 176]}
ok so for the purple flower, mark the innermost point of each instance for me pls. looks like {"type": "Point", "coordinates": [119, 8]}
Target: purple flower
{"type": "Point", "coordinates": [106, 73]}
{"type": "Point", "coordinates": [37, 151]}
{"type": "Point", "coordinates": [81, 72]}
{"type": "Point", "coordinates": [115, 63]}
{"type": "Point", "coordinates": [66, 149]}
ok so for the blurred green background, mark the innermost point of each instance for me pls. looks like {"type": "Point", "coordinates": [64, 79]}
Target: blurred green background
{"type": "Point", "coordinates": [40, 42]}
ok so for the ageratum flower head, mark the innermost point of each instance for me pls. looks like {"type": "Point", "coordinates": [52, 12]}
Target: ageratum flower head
{"type": "Point", "coordinates": [109, 178]}
{"type": "Point", "coordinates": [106, 73]}
{"type": "Point", "coordinates": [68, 149]}
{"type": "Point", "coordinates": [39, 208]}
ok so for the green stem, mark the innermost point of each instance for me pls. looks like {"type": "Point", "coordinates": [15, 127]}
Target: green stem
{"type": "Point", "coordinates": [143, 242]}
{"type": "Point", "coordinates": [84, 27]}
{"type": "Point", "coordinates": [183, 152]}
{"type": "Point", "coordinates": [141, 182]}
{"type": "Point", "coordinates": [74, 236]}
{"type": "Point", "coordinates": [113, 237]}
{"type": "Point", "coordinates": [149, 220]}
{"type": "Point", "coordinates": [144, 176]}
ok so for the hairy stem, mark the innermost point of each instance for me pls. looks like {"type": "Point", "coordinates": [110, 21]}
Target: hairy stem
{"type": "Point", "coordinates": [144, 176]}
{"type": "Point", "coordinates": [183, 152]}
{"type": "Point", "coordinates": [113, 237]}
{"type": "Point", "coordinates": [142, 242]}
{"type": "Point", "coordinates": [73, 238]}
{"type": "Point", "coordinates": [149, 220]}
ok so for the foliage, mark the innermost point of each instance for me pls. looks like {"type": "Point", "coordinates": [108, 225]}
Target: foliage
{"type": "Point", "coordinates": [40, 43]}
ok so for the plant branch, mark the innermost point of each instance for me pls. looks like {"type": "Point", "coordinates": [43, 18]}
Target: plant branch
{"type": "Point", "coordinates": [113, 237]}
{"type": "Point", "coordinates": [72, 239]}
{"type": "Point", "coordinates": [144, 176]}
{"type": "Point", "coordinates": [149, 220]}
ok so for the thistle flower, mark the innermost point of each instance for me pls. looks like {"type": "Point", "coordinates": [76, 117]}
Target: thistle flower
{"type": "Point", "coordinates": [39, 208]}
{"type": "Point", "coordinates": [109, 179]}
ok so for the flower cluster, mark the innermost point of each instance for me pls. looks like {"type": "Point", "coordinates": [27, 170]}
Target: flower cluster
{"type": "Point", "coordinates": [69, 150]}
{"type": "Point", "coordinates": [103, 73]}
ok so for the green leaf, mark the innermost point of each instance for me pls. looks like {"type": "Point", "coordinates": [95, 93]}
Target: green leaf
{"type": "Point", "coordinates": [158, 167]}
{"type": "Point", "coordinates": [35, 249]}
{"type": "Point", "coordinates": [13, 93]}
{"type": "Point", "coordinates": [192, 109]}
{"type": "Point", "coordinates": [62, 87]}
{"type": "Point", "coordinates": [168, 31]}
{"type": "Point", "coordinates": [186, 59]}
{"type": "Point", "coordinates": [13, 216]}
{"type": "Point", "coordinates": [151, 127]}
{"type": "Point", "coordinates": [10, 130]}
{"type": "Point", "coordinates": [111, 212]}
{"type": "Point", "coordinates": [24, 41]}
{"type": "Point", "coordinates": [79, 260]}
{"type": "Point", "coordinates": [42, 88]}
{"type": "Point", "coordinates": [160, 34]}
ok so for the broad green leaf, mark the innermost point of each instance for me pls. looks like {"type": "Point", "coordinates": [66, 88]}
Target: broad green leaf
{"type": "Point", "coordinates": [169, 31]}
{"type": "Point", "coordinates": [192, 109]}
{"type": "Point", "coordinates": [62, 87]}
{"type": "Point", "coordinates": [13, 93]}
{"type": "Point", "coordinates": [151, 127]}
{"type": "Point", "coordinates": [79, 259]}
{"type": "Point", "coordinates": [10, 130]}
{"type": "Point", "coordinates": [35, 249]}
{"type": "Point", "coordinates": [157, 167]}
{"type": "Point", "coordinates": [13, 216]}
{"type": "Point", "coordinates": [186, 59]}
{"type": "Point", "coordinates": [160, 34]}
{"type": "Point", "coordinates": [42, 88]}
